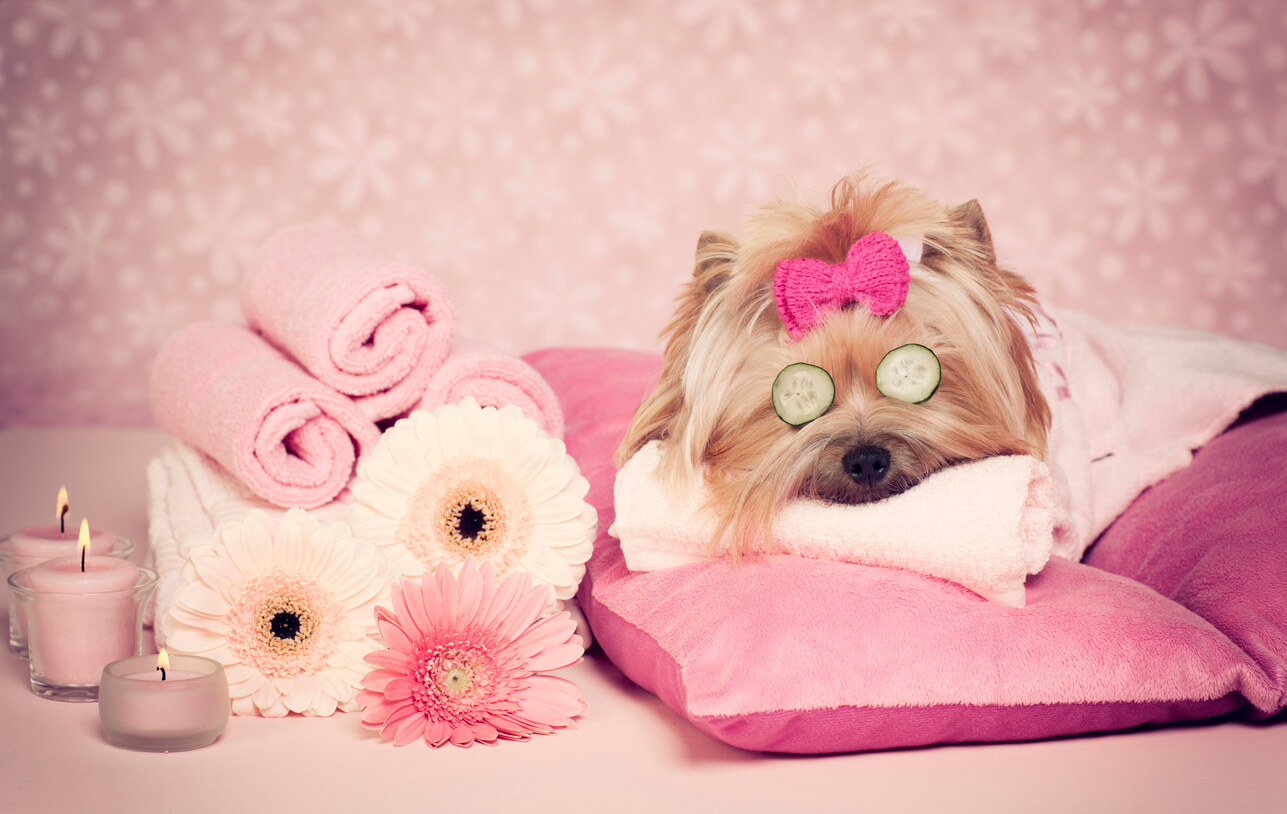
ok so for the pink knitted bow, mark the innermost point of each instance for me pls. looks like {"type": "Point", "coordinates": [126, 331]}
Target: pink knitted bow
{"type": "Point", "coordinates": [875, 274]}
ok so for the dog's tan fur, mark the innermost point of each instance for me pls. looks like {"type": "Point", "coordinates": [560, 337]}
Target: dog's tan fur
{"type": "Point", "coordinates": [726, 344]}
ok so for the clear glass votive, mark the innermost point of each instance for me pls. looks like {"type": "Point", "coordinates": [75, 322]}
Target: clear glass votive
{"type": "Point", "coordinates": [186, 710]}
{"type": "Point", "coordinates": [72, 633]}
{"type": "Point", "coordinates": [17, 552]}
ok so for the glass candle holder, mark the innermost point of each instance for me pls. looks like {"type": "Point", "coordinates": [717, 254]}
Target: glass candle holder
{"type": "Point", "coordinates": [74, 630]}
{"type": "Point", "coordinates": [31, 547]}
{"type": "Point", "coordinates": [186, 710]}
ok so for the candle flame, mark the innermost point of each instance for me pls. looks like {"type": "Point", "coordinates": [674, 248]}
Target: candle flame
{"type": "Point", "coordinates": [163, 660]}
{"type": "Point", "coordinates": [63, 504]}
{"type": "Point", "coordinates": [83, 545]}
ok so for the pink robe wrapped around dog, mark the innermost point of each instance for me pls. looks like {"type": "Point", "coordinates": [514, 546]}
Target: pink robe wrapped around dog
{"type": "Point", "coordinates": [1130, 404]}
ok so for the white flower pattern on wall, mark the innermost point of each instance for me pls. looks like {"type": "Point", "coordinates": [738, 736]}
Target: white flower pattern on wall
{"type": "Point", "coordinates": [155, 117]}
{"type": "Point", "coordinates": [354, 159]}
{"type": "Point", "coordinates": [77, 25]}
{"type": "Point", "coordinates": [554, 162]}
{"type": "Point", "coordinates": [1209, 45]}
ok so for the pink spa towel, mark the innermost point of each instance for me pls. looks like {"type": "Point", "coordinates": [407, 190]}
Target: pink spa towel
{"type": "Point", "coordinates": [353, 316]}
{"type": "Point", "coordinates": [495, 379]}
{"type": "Point", "coordinates": [291, 439]}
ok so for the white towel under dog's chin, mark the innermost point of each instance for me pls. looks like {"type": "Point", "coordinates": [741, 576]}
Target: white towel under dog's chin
{"type": "Point", "coordinates": [985, 525]}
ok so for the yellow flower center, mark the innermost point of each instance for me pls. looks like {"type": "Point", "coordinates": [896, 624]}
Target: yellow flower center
{"type": "Point", "coordinates": [456, 681]}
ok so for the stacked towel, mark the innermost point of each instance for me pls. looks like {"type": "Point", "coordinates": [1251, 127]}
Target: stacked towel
{"type": "Point", "coordinates": [288, 437]}
{"type": "Point", "coordinates": [358, 320]}
{"type": "Point", "coordinates": [342, 337]}
{"type": "Point", "coordinates": [495, 379]}
{"type": "Point", "coordinates": [985, 525]}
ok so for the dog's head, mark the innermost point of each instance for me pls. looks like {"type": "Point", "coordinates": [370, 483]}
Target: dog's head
{"type": "Point", "coordinates": [713, 409]}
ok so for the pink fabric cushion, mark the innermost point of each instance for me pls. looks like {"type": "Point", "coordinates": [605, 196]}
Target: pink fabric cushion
{"type": "Point", "coordinates": [1176, 615]}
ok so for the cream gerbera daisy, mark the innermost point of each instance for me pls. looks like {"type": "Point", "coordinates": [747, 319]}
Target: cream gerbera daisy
{"type": "Point", "coordinates": [468, 481]}
{"type": "Point", "coordinates": [288, 609]}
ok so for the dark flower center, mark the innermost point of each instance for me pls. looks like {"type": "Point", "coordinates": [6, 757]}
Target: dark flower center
{"type": "Point", "coordinates": [285, 625]}
{"type": "Point", "coordinates": [472, 521]}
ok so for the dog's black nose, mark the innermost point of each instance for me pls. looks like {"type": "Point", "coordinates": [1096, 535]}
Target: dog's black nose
{"type": "Point", "coordinates": [867, 465]}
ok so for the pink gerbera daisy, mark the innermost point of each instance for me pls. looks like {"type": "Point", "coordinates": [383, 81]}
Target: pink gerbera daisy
{"type": "Point", "coordinates": [466, 660]}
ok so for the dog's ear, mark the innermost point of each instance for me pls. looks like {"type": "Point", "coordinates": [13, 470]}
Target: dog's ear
{"type": "Point", "coordinates": [969, 236]}
{"type": "Point", "coordinates": [657, 417]}
{"type": "Point", "coordinates": [1017, 297]}
{"type": "Point", "coordinates": [715, 253]}
{"type": "Point", "coordinates": [970, 215]}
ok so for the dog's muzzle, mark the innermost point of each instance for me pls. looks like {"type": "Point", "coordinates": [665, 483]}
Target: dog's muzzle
{"type": "Point", "coordinates": [867, 466]}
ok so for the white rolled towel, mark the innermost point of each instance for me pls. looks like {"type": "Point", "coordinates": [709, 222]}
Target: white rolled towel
{"type": "Point", "coordinates": [985, 525]}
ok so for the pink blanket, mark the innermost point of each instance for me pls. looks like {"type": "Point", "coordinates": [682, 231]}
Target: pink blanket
{"type": "Point", "coordinates": [288, 437]}
{"type": "Point", "coordinates": [1130, 405]}
{"type": "Point", "coordinates": [361, 322]}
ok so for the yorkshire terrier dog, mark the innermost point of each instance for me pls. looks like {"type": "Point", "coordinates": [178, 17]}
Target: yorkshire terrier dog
{"type": "Point", "coordinates": [838, 289]}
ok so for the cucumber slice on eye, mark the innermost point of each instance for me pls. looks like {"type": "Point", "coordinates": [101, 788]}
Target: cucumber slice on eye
{"type": "Point", "coordinates": [908, 373]}
{"type": "Point", "coordinates": [802, 392]}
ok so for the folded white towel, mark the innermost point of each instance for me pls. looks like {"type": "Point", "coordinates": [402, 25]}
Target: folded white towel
{"type": "Point", "coordinates": [985, 525]}
{"type": "Point", "coordinates": [189, 495]}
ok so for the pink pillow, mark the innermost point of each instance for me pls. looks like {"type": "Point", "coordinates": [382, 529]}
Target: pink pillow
{"type": "Point", "coordinates": [797, 655]}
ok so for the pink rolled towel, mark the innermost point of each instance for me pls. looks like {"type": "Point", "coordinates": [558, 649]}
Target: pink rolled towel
{"type": "Point", "coordinates": [291, 439]}
{"type": "Point", "coordinates": [354, 317]}
{"type": "Point", "coordinates": [495, 379]}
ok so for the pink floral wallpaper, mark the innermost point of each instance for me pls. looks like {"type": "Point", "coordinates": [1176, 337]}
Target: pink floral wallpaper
{"type": "Point", "coordinates": [554, 160]}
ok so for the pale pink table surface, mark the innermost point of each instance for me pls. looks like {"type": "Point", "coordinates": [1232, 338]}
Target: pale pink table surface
{"type": "Point", "coordinates": [629, 754]}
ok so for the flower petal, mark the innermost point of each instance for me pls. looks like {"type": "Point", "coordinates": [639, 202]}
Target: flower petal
{"type": "Point", "coordinates": [218, 572]}
{"type": "Point", "coordinates": [195, 640]}
{"type": "Point", "coordinates": [388, 659]}
{"type": "Point", "coordinates": [201, 600]}
{"type": "Point", "coordinates": [436, 732]}
{"type": "Point", "coordinates": [301, 696]}
{"type": "Point", "coordinates": [394, 636]}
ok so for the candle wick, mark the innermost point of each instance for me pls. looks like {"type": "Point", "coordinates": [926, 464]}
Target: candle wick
{"type": "Point", "coordinates": [162, 669]}
{"type": "Point", "coordinates": [82, 560]}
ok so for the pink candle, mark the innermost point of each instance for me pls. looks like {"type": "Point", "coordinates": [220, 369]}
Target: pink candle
{"type": "Point", "coordinates": [82, 613]}
{"type": "Point", "coordinates": [83, 620]}
{"type": "Point", "coordinates": [47, 542]}
{"type": "Point", "coordinates": [31, 546]}
{"type": "Point", "coordinates": [187, 709]}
